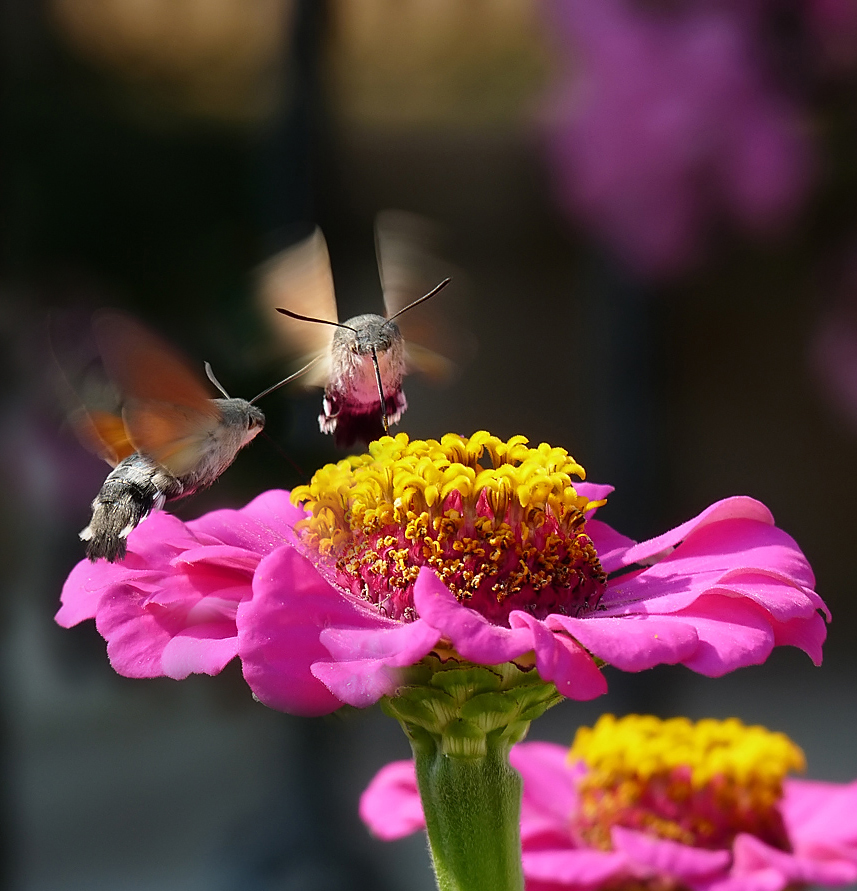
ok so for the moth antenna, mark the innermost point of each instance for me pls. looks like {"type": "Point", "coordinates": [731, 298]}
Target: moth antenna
{"type": "Point", "coordinates": [294, 315]}
{"type": "Point", "coordinates": [435, 290]}
{"type": "Point", "coordinates": [288, 379]}
{"type": "Point", "coordinates": [209, 373]}
{"type": "Point", "coordinates": [380, 391]}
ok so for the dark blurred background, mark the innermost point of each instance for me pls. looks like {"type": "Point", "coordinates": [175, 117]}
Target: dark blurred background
{"type": "Point", "coordinates": [653, 204]}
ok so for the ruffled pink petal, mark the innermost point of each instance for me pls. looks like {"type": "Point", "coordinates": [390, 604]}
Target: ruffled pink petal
{"type": "Point", "coordinates": [279, 636]}
{"type": "Point", "coordinates": [661, 857]}
{"type": "Point", "coordinates": [204, 649]}
{"type": "Point", "coordinates": [549, 796]}
{"type": "Point", "coordinates": [366, 660]}
{"type": "Point", "coordinates": [733, 552]}
{"type": "Point", "coordinates": [135, 638]}
{"type": "Point", "coordinates": [219, 557]}
{"type": "Point", "coordinates": [737, 536]}
{"type": "Point", "coordinates": [83, 590]}
{"type": "Point", "coordinates": [169, 608]}
{"type": "Point", "coordinates": [472, 635]}
{"type": "Point", "coordinates": [752, 856]}
{"type": "Point", "coordinates": [154, 543]}
{"type": "Point", "coordinates": [262, 525]}
{"type": "Point", "coordinates": [631, 643]}
{"type": "Point", "coordinates": [739, 507]}
{"type": "Point", "coordinates": [746, 639]}
{"type": "Point", "coordinates": [576, 868]}
{"type": "Point", "coordinates": [561, 660]}
{"type": "Point", "coordinates": [390, 805]}
{"type": "Point", "coordinates": [594, 492]}
{"type": "Point", "coordinates": [819, 818]}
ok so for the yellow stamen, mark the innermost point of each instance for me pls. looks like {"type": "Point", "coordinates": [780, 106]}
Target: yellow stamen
{"type": "Point", "coordinates": [478, 510]}
{"type": "Point", "coordinates": [698, 783]}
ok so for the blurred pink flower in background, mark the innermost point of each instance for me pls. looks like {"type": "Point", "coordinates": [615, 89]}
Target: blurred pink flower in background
{"type": "Point", "coordinates": [743, 828]}
{"type": "Point", "coordinates": [834, 24]}
{"type": "Point", "coordinates": [666, 124]}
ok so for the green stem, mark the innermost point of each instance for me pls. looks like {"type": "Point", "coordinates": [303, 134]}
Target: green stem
{"type": "Point", "coordinates": [462, 720]}
{"type": "Point", "coordinates": [473, 809]}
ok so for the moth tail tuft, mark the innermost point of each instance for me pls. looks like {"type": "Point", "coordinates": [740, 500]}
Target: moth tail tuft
{"type": "Point", "coordinates": [128, 495]}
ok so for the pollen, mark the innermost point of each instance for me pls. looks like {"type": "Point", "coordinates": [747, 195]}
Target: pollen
{"type": "Point", "coordinates": [696, 783]}
{"type": "Point", "coordinates": [500, 522]}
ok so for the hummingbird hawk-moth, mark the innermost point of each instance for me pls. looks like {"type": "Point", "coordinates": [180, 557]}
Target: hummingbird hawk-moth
{"type": "Point", "coordinates": [360, 362]}
{"type": "Point", "coordinates": [152, 419]}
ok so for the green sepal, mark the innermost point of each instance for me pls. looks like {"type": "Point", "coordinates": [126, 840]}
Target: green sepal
{"type": "Point", "coordinates": [462, 720]}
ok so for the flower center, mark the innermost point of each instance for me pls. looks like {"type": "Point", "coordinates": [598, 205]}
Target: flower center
{"type": "Point", "coordinates": [698, 784]}
{"type": "Point", "coordinates": [507, 536]}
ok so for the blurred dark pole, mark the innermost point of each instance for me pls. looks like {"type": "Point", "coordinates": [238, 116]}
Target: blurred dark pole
{"type": "Point", "coordinates": [299, 839]}
{"type": "Point", "coordinates": [286, 161]}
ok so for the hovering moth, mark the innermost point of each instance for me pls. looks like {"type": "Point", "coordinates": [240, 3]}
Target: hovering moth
{"type": "Point", "coordinates": [360, 362]}
{"type": "Point", "coordinates": [156, 425]}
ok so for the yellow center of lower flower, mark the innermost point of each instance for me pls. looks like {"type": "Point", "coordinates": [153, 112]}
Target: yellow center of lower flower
{"type": "Point", "coordinates": [696, 783]}
{"type": "Point", "coordinates": [504, 535]}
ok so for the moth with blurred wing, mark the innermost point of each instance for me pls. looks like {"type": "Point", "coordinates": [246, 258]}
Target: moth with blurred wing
{"type": "Point", "coordinates": [153, 421]}
{"type": "Point", "coordinates": [360, 362]}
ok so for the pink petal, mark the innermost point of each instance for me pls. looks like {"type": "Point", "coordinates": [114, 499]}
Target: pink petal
{"type": "Point", "coordinates": [820, 818]}
{"type": "Point", "coordinates": [753, 856]}
{"type": "Point", "coordinates": [135, 638]}
{"type": "Point", "coordinates": [580, 868]}
{"type": "Point", "coordinates": [732, 634]}
{"type": "Point", "coordinates": [83, 590]}
{"type": "Point", "coordinates": [660, 857]}
{"type": "Point", "coordinates": [398, 645]}
{"type": "Point", "coordinates": [390, 805]}
{"type": "Point", "coordinates": [561, 660]}
{"type": "Point", "coordinates": [549, 795]}
{"type": "Point", "coordinates": [203, 649]}
{"type": "Point", "coordinates": [279, 635]}
{"type": "Point", "coordinates": [366, 660]}
{"type": "Point", "coordinates": [472, 635]}
{"type": "Point", "coordinates": [632, 643]}
{"type": "Point", "coordinates": [739, 507]}
{"type": "Point", "coordinates": [219, 556]}
{"type": "Point", "coordinates": [594, 492]}
{"type": "Point", "coordinates": [262, 525]}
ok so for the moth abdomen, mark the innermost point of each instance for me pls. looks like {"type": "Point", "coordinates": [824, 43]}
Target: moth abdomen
{"type": "Point", "coordinates": [352, 422]}
{"type": "Point", "coordinates": [133, 489]}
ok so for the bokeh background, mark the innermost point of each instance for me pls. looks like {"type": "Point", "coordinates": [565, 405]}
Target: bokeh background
{"type": "Point", "coordinates": [653, 207]}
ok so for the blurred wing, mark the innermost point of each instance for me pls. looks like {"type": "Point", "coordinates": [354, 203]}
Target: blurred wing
{"type": "Point", "coordinates": [173, 436]}
{"type": "Point", "coordinates": [410, 266]}
{"type": "Point", "coordinates": [299, 279]}
{"type": "Point", "coordinates": [91, 400]}
{"type": "Point", "coordinates": [105, 434]}
{"type": "Point", "coordinates": [429, 363]}
{"type": "Point", "coordinates": [167, 412]}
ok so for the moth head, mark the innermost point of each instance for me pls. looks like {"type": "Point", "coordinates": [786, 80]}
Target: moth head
{"type": "Point", "coordinates": [366, 334]}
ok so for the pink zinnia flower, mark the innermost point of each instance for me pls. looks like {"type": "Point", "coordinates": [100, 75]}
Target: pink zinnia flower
{"type": "Point", "coordinates": [477, 550]}
{"type": "Point", "coordinates": [666, 123]}
{"type": "Point", "coordinates": [642, 803]}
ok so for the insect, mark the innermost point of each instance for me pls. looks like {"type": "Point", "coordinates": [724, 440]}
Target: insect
{"type": "Point", "coordinates": [152, 420]}
{"type": "Point", "coordinates": [360, 362]}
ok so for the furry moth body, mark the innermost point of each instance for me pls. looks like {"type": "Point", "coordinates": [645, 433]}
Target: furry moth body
{"type": "Point", "coordinates": [168, 439]}
{"type": "Point", "coordinates": [360, 362]}
{"type": "Point", "coordinates": [352, 407]}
